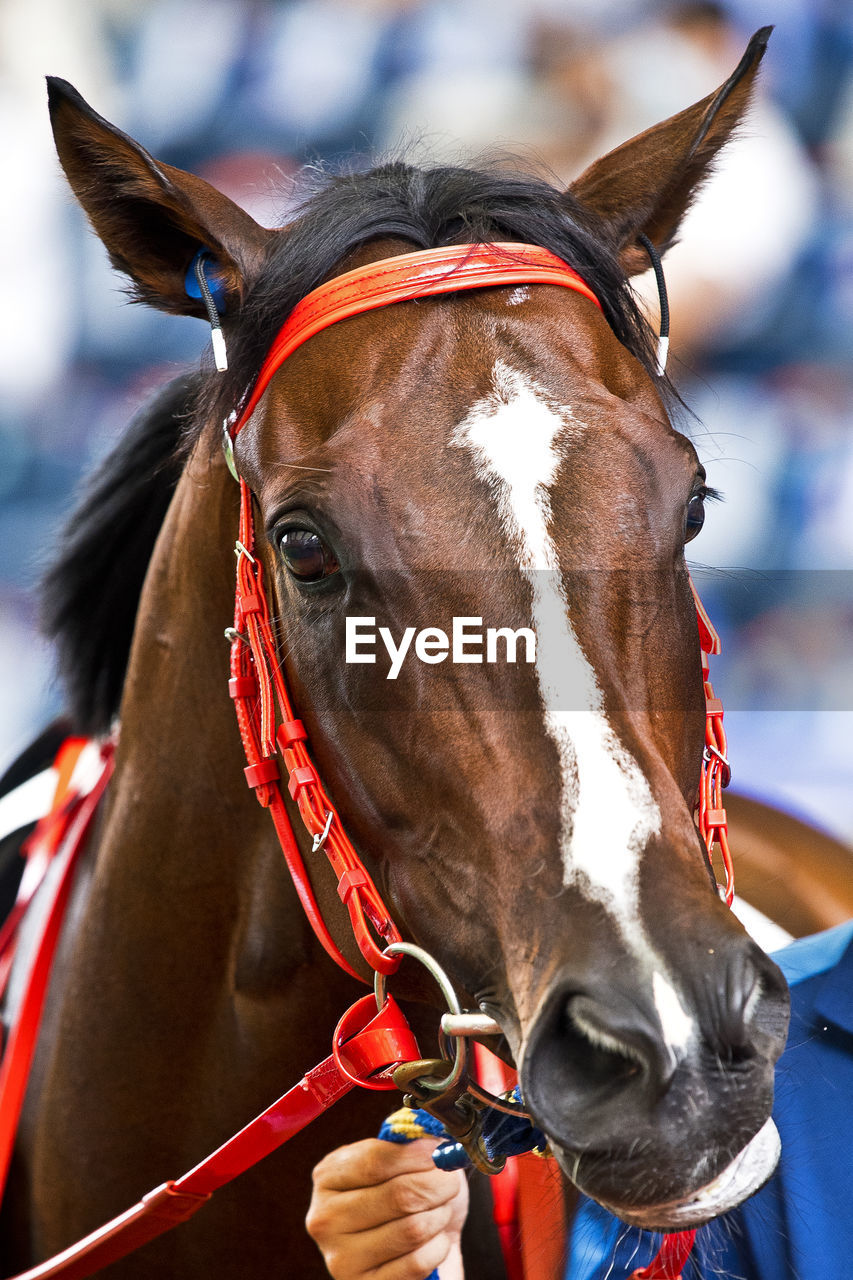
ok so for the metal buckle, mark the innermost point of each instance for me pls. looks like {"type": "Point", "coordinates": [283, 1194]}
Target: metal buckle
{"type": "Point", "coordinates": [708, 756]}
{"type": "Point", "coordinates": [439, 1085]}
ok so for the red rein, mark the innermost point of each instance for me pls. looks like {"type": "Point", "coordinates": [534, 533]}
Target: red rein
{"type": "Point", "coordinates": [367, 1045]}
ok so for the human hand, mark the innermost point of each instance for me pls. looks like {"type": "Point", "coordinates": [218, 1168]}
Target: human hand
{"type": "Point", "coordinates": [382, 1211]}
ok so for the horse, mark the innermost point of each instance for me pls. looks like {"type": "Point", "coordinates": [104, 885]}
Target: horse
{"type": "Point", "coordinates": [503, 456]}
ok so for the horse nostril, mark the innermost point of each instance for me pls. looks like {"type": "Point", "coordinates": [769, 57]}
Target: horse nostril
{"type": "Point", "coordinates": [749, 1001]}
{"type": "Point", "coordinates": [585, 1054]}
{"type": "Point", "coordinates": [599, 1050]}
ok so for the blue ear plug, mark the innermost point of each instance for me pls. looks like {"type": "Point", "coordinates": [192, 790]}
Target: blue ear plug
{"type": "Point", "coordinates": [215, 280]}
{"type": "Point", "coordinates": [203, 280]}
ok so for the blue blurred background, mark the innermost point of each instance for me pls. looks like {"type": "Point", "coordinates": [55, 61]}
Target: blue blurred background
{"type": "Point", "coordinates": [246, 91]}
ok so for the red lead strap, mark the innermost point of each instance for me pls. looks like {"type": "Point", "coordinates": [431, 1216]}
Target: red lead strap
{"type": "Point", "coordinates": [671, 1258]}
{"type": "Point", "coordinates": [381, 1042]}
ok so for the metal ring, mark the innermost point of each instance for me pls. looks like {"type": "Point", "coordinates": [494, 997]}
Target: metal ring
{"type": "Point", "coordinates": [231, 634]}
{"type": "Point", "coordinates": [445, 986]}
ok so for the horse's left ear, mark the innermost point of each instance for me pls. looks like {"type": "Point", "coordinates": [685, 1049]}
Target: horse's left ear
{"type": "Point", "coordinates": [646, 186]}
{"type": "Point", "coordinates": [152, 217]}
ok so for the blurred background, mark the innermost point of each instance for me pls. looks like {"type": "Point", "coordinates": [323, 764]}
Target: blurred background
{"type": "Point", "coordinates": [245, 92]}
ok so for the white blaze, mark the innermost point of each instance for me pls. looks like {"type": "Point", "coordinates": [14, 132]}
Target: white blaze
{"type": "Point", "coordinates": [519, 438]}
{"type": "Point", "coordinates": [677, 1025]}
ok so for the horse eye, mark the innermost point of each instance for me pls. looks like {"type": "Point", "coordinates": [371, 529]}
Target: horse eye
{"type": "Point", "coordinates": [695, 517]}
{"type": "Point", "coordinates": [306, 555]}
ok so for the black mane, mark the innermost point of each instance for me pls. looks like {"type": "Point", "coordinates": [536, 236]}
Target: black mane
{"type": "Point", "coordinates": [427, 208]}
{"type": "Point", "coordinates": [91, 593]}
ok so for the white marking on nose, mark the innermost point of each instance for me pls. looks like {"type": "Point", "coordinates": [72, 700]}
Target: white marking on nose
{"type": "Point", "coordinates": [519, 437]}
{"type": "Point", "coordinates": [677, 1025]}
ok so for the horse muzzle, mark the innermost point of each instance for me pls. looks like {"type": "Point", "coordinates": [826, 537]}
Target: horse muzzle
{"type": "Point", "coordinates": [746, 1174]}
{"type": "Point", "coordinates": [661, 1116]}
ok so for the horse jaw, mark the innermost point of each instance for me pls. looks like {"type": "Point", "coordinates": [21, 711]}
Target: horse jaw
{"type": "Point", "coordinates": [740, 1179]}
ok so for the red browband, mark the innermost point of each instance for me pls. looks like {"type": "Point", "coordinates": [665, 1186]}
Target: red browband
{"type": "Point", "coordinates": [423, 274]}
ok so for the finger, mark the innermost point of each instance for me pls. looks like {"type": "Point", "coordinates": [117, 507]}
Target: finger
{"type": "Point", "coordinates": [420, 1263]}
{"type": "Point", "coordinates": [353, 1211]}
{"type": "Point", "coordinates": [334, 1213]}
{"type": "Point", "coordinates": [371, 1162]}
{"type": "Point", "coordinates": [405, 1242]}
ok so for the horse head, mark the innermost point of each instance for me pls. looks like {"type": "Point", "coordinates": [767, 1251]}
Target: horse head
{"type": "Point", "coordinates": [523, 786]}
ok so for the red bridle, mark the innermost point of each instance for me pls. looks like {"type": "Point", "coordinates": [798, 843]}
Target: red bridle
{"type": "Point", "coordinates": [367, 1043]}
{"type": "Point", "coordinates": [257, 679]}
{"type": "Point", "coordinates": [256, 671]}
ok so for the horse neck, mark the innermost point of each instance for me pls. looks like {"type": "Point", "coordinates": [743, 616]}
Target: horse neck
{"type": "Point", "coordinates": [186, 933]}
{"type": "Point", "coordinates": [183, 837]}
{"type": "Point", "coordinates": [175, 712]}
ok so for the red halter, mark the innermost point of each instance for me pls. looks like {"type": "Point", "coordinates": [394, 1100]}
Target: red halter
{"type": "Point", "coordinates": [254, 662]}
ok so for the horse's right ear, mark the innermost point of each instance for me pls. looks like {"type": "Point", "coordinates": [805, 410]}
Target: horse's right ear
{"type": "Point", "coordinates": [646, 186]}
{"type": "Point", "coordinates": [152, 217]}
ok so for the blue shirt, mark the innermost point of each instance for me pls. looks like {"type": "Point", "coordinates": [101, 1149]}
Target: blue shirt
{"type": "Point", "coordinates": [800, 1225]}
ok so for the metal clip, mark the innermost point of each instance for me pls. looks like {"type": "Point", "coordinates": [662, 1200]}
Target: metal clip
{"type": "Point", "coordinates": [427, 1084]}
{"type": "Point", "coordinates": [228, 445]}
{"type": "Point", "coordinates": [231, 634]}
{"type": "Point", "coordinates": [240, 550]}
{"type": "Point", "coordinates": [320, 839]}
{"type": "Point", "coordinates": [708, 756]}
{"type": "Point", "coordinates": [410, 1078]}
{"type": "Point", "coordinates": [464, 1119]}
